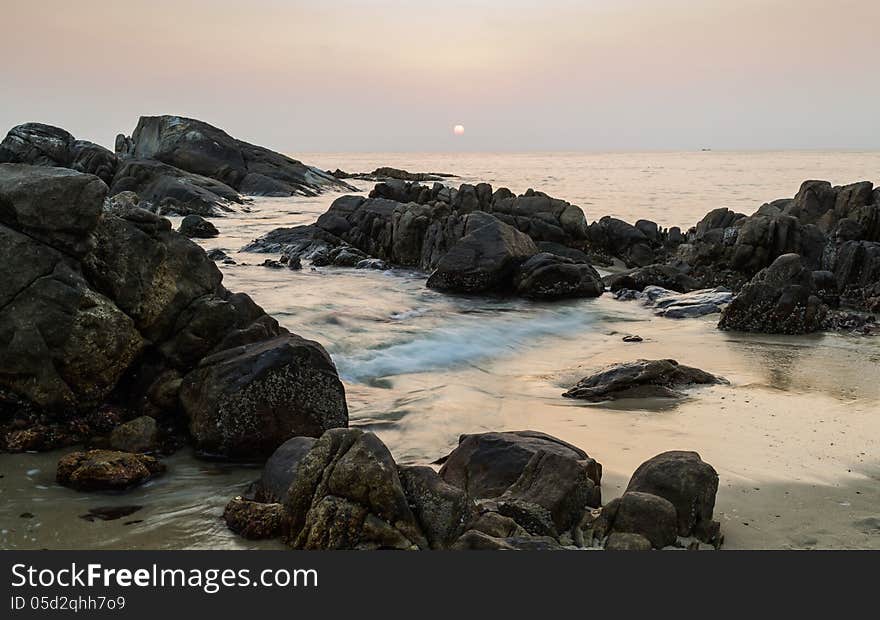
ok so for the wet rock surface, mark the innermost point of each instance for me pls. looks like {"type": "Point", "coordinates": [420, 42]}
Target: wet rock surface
{"type": "Point", "coordinates": [641, 379]}
{"type": "Point", "coordinates": [106, 470]}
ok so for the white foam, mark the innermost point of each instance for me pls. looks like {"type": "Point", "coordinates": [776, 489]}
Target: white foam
{"type": "Point", "coordinates": [468, 340]}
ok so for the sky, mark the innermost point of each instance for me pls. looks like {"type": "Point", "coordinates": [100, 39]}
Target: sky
{"type": "Point", "coordinates": [395, 75]}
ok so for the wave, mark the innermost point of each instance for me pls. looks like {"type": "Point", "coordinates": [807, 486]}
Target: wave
{"type": "Point", "coordinates": [476, 339]}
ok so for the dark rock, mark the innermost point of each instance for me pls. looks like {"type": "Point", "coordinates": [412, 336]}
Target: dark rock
{"type": "Point", "coordinates": [217, 254]}
{"type": "Point", "coordinates": [105, 470]}
{"type": "Point", "coordinates": [200, 148]}
{"type": "Point", "coordinates": [485, 465]}
{"type": "Point", "coordinates": [674, 305]}
{"type": "Point", "coordinates": [45, 145]}
{"type": "Point", "coordinates": [632, 338]}
{"type": "Point", "coordinates": [548, 276]}
{"type": "Point", "coordinates": [649, 515]}
{"type": "Point", "coordinates": [109, 513]}
{"type": "Point", "coordinates": [778, 300]}
{"type": "Point", "coordinates": [197, 227]}
{"type": "Point", "coordinates": [294, 263]}
{"type": "Point", "coordinates": [347, 494]}
{"type": "Point", "coordinates": [665, 276]}
{"type": "Point", "coordinates": [248, 400]}
{"type": "Point", "coordinates": [686, 481]}
{"type": "Point", "coordinates": [640, 379]}
{"type": "Point", "coordinates": [484, 260]}
{"type": "Point", "coordinates": [442, 509]}
{"type": "Point", "coordinates": [281, 467]}
{"type": "Point", "coordinates": [474, 540]}
{"type": "Point", "coordinates": [622, 541]}
{"type": "Point", "coordinates": [139, 435]}
{"type": "Point", "coordinates": [254, 520]}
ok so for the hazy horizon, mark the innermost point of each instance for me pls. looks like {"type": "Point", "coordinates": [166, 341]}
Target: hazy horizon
{"type": "Point", "coordinates": [395, 76]}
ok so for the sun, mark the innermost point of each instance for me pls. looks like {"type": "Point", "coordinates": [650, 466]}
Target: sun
{"type": "Point", "coordinates": [458, 130]}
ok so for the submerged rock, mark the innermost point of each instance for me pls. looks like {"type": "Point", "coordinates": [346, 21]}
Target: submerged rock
{"type": "Point", "coordinates": [106, 470]}
{"type": "Point", "coordinates": [641, 379]}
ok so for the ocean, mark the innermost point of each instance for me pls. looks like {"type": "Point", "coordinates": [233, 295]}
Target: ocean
{"type": "Point", "coordinates": [794, 436]}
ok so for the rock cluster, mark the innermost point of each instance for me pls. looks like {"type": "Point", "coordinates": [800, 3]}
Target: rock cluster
{"type": "Point", "coordinates": [500, 490]}
{"type": "Point", "coordinates": [175, 165]}
{"type": "Point", "coordinates": [102, 303]}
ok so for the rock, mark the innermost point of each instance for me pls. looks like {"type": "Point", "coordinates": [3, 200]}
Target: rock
{"type": "Point", "coordinates": [217, 254]}
{"type": "Point", "coordinates": [280, 469]}
{"type": "Point", "coordinates": [347, 494]}
{"type": "Point", "coordinates": [622, 541]}
{"type": "Point", "coordinates": [640, 379]}
{"type": "Point", "coordinates": [294, 263]}
{"type": "Point", "coordinates": [172, 191]}
{"type": "Point", "coordinates": [623, 240]}
{"type": "Point", "coordinates": [673, 305]}
{"type": "Point", "coordinates": [665, 276]}
{"type": "Point", "coordinates": [442, 509]}
{"type": "Point", "coordinates": [105, 470]}
{"type": "Point", "coordinates": [553, 485]}
{"type": "Point", "coordinates": [197, 227]}
{"type": "Point", "coordinates": [632, 338]}
{"type": "Point", "coordinates": [484, 260]}
{"type": "Point", "coordinates": [254, 520]}
{"type": "Point", "coordinates": [688, 483]}
{"type": "Point", "coordinates": [45, 145]}
{"type": "Point", "coordinates": [247, 400]}
{"type": "Point", "coordinates": [346, 256]}
{"type": "Point", "coordinates": [272, 264]}
{"type": "Point", "coordinates": [650, 516]}
{"type": "Point", "coordinates": [474, 540]}
{"type": "Point", "coordinates": [199, 148]}
{"type": "Point", "coordinates": [485, 465]}
{"type": "Point", "coordinates": [548, 276]}
{"type": "Point", "coordinates": [139, 435]}
{"type": "Point", "coordinates": [856, 268]}
{"type": "Point", "coordinates": [372, 263]}
{"type": "Point", "coordinates": [778, 300]}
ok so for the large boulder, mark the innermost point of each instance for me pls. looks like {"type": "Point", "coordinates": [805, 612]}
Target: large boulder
{"type": "Point", "coordinates": [202, 149]}
{"type": "Point", "coordinates": [485, 465]}
{"type": "Point", "coordinates": [780, 299]}
{"type": "Point", "coordinates": [651, 516]}
{"type": "Point", "coordinates": [665, 276]}
{"type": "Point", "coordinates": [641, 379]}
{"type": "Point", "coordinates": [485, 260]}
{"type": "Point", "coordinates": [106, 470]}
{"type": "Point", "coordinates": [197, 227]}
{"type": "Point", "coordinates": [548, 276]}
{"type": "Point", "coordinates": [347, 494]}
{"type": "Point", "coordinates": [442, 509]}
{"type": "Point", "coordinates": [280, 469]}
{"type": "Point", "coordinates": [688, 483]}
{"type": "Point", "coordinates": [254, 520]}
{"type": "Point", "coordinates": [856, 269]}
{"type": "Point", "coordinates": [45, 145]}
{"type": "Point", "coordinates": [246, 401]}
{"type": "Point", "coordinates": [138, 435]}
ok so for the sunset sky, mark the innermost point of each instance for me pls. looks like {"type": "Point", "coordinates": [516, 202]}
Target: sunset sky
{"type": "Point", "coordinates": [398, 75]}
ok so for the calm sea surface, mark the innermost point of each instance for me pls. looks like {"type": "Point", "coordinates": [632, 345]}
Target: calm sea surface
{"type": "Point", "coordinates": [794, 437]}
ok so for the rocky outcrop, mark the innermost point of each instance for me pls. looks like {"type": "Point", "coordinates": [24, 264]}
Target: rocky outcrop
{"type": "Point", "coordinates": [45, 145]}
{"type": "Point", "coordinates": [549, 276]}
{"type": "Point", "coordinates": [486, 259]}
{"type": "Point", "coordinates": [197, 227]}
{"type": "Point", "coordinates": [280, 469]}
{"type": "Point", "coordinates": [666, 276]}
{"type": "Point", "coordinates": [106, 470]}
{"type": "Point", "coordinates": [101, 302]}
{"type": "Point", "coordinates": [247, 400]}
{"type": "Point", "coordinates": [202, 149]}
{"type": "Point", "coordinates": [641, 379]}
{"type": "Point", "coordinates": [780, 299]}
{"type": "Point", "coordinates": [386, 173]}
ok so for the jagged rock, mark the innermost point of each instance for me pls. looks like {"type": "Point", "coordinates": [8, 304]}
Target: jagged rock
{"type": "Point", "coordinates": [474, 540]}
{"type": "Point", "coordinates": [484, 260]}
{"type": "Point", "coordinates": [485, 465]}
{"type": "Point", "coordinates": [254, 520]}
{"type": "Point", "coordinates": [641, 379]}
{"type": "Point", "coordinates": [625, 241]}
{"type": "Point", "coordinates": [172, 191]}
{"type": "Point", "coordinates": [197, 227]}
{"type": "Point", "coordinates": [45, 145]}
{"type": "Point", "coordinates": [856, 269]}
{"type": "Point", "coordinates": [778, 300]}
{"type": "Point", "coordinates": [688, 483]}
{"type": "Point", "coordinates": [347, 494]}
{"type": "Point", "coordinates": [245, 401]}
{"type": "Point", "coordinates": [442, 509]}
{"type": "Point", "coordinates": [106, 470]}
{"type": "Point", "coordinates": [548, 276]}
{"type": "Point", "coordinates": [138, 435]}
{"type": "Point", "coordinates": [202, 149]}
